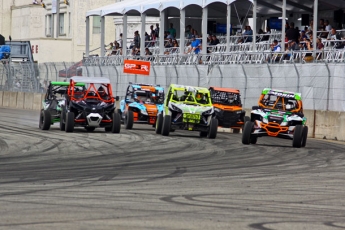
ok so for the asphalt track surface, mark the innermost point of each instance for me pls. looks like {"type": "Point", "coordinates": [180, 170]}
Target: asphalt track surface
{"type": "Point", "coordinates": [140, 180]}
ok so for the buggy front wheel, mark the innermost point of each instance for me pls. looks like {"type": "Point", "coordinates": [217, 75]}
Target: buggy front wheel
{"type": "Point", "coordinates": [45, 120]}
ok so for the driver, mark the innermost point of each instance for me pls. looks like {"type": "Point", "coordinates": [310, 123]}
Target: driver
{"type": "Point", "coordinates": [231, 98]}
{"type": "Point", "coordinates": [184, 96]}
{"type": "Point", "coordinates": [200, 98]}
{"type": "Point", "coordinates": [102, 93]}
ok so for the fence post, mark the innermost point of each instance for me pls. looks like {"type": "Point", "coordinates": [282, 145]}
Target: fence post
{"type": "Point", "coordinates": [298, 78]}
{"type": "Point", "coordinates": [245, 86]}
{"type": "Point", "coordinates": [329, 85]}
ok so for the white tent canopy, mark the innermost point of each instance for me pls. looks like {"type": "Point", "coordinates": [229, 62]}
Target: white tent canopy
{"type": "Point", "coordinates": [141, 6]}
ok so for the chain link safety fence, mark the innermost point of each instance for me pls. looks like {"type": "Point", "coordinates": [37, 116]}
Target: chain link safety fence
{"type": "Point", "coordinates": [322, 84]}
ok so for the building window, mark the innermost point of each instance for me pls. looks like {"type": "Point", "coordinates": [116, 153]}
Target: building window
{"type": "Point", "coordinates": [62, 24]}
{"type": "Point", "coordinates": [49, 23]}
{"type": "Point", "coordinates": [69, 24]}
{"type": "Point", "coordinates": [96, 28]}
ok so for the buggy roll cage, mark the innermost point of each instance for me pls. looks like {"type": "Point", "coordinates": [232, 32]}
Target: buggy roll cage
{"type": "Point", "coordinates": [87, 93]}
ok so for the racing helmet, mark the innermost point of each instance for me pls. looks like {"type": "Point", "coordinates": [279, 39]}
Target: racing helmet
{"type": "Point", "coordinates": [101, 90]}
{"type": "Point", "coordinates": [289, 105]}
{"type": "Point", "coordinates": [198, 96]}
{"type": "Point", "coordinates": [231, 98]}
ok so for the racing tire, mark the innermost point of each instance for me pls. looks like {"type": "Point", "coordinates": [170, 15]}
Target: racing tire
{"type": "Point", "coordinates": [69, 122]}
{"type": "Point", "coordinates": [212, 132]}
{"type": "Point", "coordinates": [116, 125]}
{"type": "Point", "coordinates": [129, 119]}
{"type": "Point", "coordinates": [62, 123]}
{"type": "Point", "coordinates": [90, 129]}
{"type": "Point", "coordinates": [247, 132]}
{"type": "Point", "coordinates": [159, 123]}
{"type": "Point", "coordinates": [297, 136]}
{"type": "Point", "coordinates": [304, 136]}
{"type": "Point", "coordinates": [45, 120]}
{"type": "Point", "coordinates": [253, 139]}
{"type": "Point", "coordinates": [203, 134]}
{"type": "Point", "coordinates": [166, 125]}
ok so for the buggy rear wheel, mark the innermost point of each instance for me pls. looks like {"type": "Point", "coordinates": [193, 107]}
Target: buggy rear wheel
{"type": "Point", "coordinates": [212, 132]}
{"type": "Point", "coordinates": [297, 136]}
{"type": "Point", "coordinates": [69, 122]}
{"type": "Point", "coordinates": [304, 136]}
{"type": "Point", "coordinates": [129, 119]}
{"type": "Point", "coordinates": [159, 123]}
{"type": "Point", "coordinates": [246, 133]}
{"type": "Point", "coordinates": [166, 125]}
{"type": "Point", "coordinates": [45, 120]}
{"type": "Point", "coordinates": [116, 125]}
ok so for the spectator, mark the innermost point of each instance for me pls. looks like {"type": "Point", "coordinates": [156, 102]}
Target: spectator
{"type": "Point", "coordinates": [147, 40]}
{"type": "Point", "coordinates": [275, 47]}
{"type": "Point", "coordinates": [169, 36]}
{"type": "Point", "coordinates": [120, 41]}
{"type": "Point", "coordinates": [194, 46]}
{"type": "Point", "coordinates": [328, 27]}
{"type": "Point", "coordinates": [169, 43]}
{"type": "Point", "coordinates": [135, 51]}
{"type": "Point", "coordinates": [188, 32]}
{"type": "Point", "coordinates": [293, 46]}
{"type": "Point", "coordinates": [152, 33]}
{"type": "Point", "coordinates": [292, 33]}
{"type": "Point", "coordinates": [196, 34]}
{"type": "Point", "coordinates": [157, 30]}
{"type": "Point", "coordinates": [175, 43]}
{"type": "Point", "coordinates": [303, 36]}
{"type": "Point", "coordinates": [248, 34]}
{"type": "Point", "coordinates": [148, 52]}
{"type": "Point", "coordinates": [172, 30]}
{"type": "Point", "coordinates": [214, 40]}
{"type": "Point", "coordinates": [136, 39]}
{"type": "Point", "coordinates": [334, 36]}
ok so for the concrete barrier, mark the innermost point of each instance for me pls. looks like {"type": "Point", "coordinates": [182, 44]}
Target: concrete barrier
{"type": "Point", "coordinates": [20, 100]}
{"type": "Point", "coordinates": [28, 100]}
{"type": "Point", "coordinates": [6, 99]}
{"type": "Point", "coordinates": [13, 99]}
{"type": "Point", "coordinates": [1, 97]}
{"type": "Point", "coordinates": [37, 101]}
{"type": "Point", "coordinates": [330, 125]}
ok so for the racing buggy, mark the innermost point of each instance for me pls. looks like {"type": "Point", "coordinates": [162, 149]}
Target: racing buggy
{"type": "Point", "coordinates": [141, 104]}
{"type": "Point", "coordinates": [90, 107]}
{"type": "Point", "coordinates": [53, 100]}
{"type": "Point", "coordinates": [279, 114]}
{"type": "Point", "coordinates": [228, 108]}
{"type": "Point", "coordinates": [187, 108]}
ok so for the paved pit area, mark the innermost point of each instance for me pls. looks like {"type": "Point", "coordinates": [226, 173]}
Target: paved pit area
{"type": "Point", "coordinates": [140, 180]}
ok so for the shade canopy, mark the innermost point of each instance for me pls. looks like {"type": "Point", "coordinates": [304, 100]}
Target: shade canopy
{"type": "Point", "coordinates": [216, 7]}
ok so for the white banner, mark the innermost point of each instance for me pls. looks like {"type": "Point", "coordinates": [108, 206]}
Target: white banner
{"type": "Point", "coordinates": [54, 6]}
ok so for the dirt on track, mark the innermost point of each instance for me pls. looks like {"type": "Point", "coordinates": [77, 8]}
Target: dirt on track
{"type": "Point", "coordinates": [141, 180]}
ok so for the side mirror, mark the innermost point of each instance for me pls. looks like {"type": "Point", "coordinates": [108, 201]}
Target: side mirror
{"type": "Point", "coordinates": [117, 98]}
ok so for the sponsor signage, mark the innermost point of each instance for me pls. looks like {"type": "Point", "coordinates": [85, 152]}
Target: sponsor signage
{"type": "Point", "coordinates": [137, 67]}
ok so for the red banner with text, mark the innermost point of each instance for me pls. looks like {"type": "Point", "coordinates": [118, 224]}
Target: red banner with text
{"type": "Point", "coordinates": [137, 67]}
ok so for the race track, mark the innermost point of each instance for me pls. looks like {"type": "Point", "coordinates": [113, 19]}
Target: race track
{"type": "Point", "coordinates": [140, 180]}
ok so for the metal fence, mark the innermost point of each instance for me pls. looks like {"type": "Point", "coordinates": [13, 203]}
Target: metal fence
{"type": "Point", "coordinates": [321, 82]}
